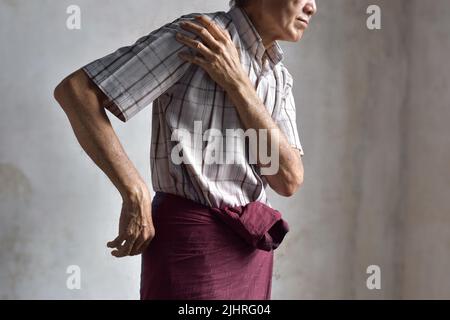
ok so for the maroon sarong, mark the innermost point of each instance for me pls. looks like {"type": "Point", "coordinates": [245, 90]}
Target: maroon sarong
{"type": "Point", "coordinates": [200, 252]}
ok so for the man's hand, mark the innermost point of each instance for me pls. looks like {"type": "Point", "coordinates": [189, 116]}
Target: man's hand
{"type": "Point", "coordinates": [136, 228]}
{"type": "Point", "coordinates": [218, 54]}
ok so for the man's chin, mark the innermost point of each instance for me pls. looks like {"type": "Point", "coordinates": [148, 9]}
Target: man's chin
{"type": "Point", "coordinates": [295, 36]}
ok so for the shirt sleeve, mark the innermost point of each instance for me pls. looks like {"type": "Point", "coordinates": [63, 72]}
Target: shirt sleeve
{"type": "Point", "coordinates": [285, 118]}
{"type": "Point", "coordinates": [132, 77]}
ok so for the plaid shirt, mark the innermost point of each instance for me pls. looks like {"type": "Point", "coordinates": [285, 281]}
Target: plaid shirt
{"type": "Point", "coordinates": [150, 70]}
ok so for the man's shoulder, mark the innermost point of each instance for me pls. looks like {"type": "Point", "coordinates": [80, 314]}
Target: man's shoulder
{"type": "Point", "coordinates": [221, 18]}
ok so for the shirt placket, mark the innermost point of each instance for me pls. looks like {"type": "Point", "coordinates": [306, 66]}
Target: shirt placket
{"type": "Point", "coordinates": [264, 68]}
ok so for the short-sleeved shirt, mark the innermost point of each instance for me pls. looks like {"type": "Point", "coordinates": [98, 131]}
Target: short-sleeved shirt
{"type": "Point", "coordinates": [184, 95]}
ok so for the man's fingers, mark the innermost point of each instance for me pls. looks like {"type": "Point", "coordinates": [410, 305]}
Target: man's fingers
{"type": "Point", "coordinates": [116, 242]}
{"type": "Point", "coordinates": [137, 246]}
{"type": "Point", "coordinates": [143, 241]}
{"type": "Point", "coordinates": [193, 59]}
{"type": "Point", "coordinates": [194, 44]}
{"type": "Point", "coordinates": [211, 26]}
{"type": "Point", "coordinates": [201, 31]}
{"type": "Point", "coordinates": [145, 244]}
{"type": "Point", "coordinates": [125, 249]}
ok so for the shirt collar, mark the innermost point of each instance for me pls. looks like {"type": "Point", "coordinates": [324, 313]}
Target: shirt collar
{"type": "Point", "coordinates": [252, 40]}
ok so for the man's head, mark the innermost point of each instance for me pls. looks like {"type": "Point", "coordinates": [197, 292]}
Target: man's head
{"type": "Point", "coordinates": [279, 19]}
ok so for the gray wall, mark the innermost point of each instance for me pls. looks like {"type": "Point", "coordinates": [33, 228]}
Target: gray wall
{"type": "Point", "coordinates": [373, 114]}
{"type": "Point", "coordinates": [425, 248]}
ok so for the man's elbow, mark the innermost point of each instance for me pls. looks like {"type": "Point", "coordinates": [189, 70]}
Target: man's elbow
{"type": "Point", "coordinates": [71, 89]}
{"type": "Point", "coordinates": [62, 92]}
{"type": "Point", "coordinates": [288, 189]}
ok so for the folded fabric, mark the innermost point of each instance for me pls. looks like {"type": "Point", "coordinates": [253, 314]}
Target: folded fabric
{"type": "Point", "coordinates": [258, 224]}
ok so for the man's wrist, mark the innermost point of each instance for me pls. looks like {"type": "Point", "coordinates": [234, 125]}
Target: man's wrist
{"type": "Point", "coordinates": [135, 193]}
{"type": "Point", "coordinates": [238, 84]}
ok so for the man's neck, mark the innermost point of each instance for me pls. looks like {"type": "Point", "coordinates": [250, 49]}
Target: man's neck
{"type": "Point", "coordinates": [253, 15]}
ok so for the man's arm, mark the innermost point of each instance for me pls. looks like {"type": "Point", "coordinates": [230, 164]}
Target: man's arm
{"type": "Point", "coordinates": [83, 102]}
{"type": "Point", "coordinates": [125, 82]}
{"type": "Point", "coordinates": [254, 114]}
{"type": "Point", "coordinates": [220, 59]}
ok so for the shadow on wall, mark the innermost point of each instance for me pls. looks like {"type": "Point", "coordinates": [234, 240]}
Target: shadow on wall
{"type": "Point", "coordinates": [15, 193]}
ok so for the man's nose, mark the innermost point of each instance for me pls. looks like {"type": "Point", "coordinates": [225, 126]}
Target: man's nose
{"type": "Point", "coordinates": [310, 8]}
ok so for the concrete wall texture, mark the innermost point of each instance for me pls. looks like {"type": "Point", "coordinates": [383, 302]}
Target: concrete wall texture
{"type": "Point", "coordinates": [373, 110]}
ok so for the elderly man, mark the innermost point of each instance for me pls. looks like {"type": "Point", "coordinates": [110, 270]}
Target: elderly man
{"type": "Point", "coordinates": [210, 231]}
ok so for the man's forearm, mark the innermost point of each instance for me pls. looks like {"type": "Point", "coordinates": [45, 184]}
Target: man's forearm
{"type": "Point", "coordinates": [96, 136]}
{"type": "Point", "coordinates": [254, 114]}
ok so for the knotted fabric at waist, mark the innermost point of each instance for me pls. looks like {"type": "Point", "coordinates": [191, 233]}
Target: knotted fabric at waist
{"type": "Point", "coordinates": [259, 225]}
